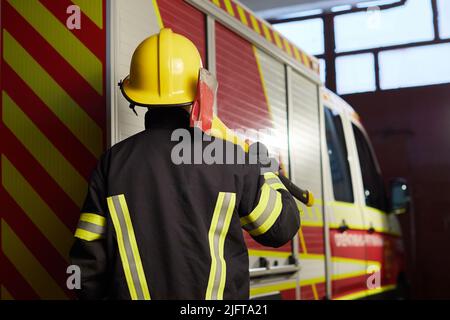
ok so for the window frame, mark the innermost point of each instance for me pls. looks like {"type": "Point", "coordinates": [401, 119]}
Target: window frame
{"type": "Point", "coordinates": [358, 169]}
{"type": "Point", "coordinates": [349, 149]}
{"type": "Point", "coordinates": [330, 54]}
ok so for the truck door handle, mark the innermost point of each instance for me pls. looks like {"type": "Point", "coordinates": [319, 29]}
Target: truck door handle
{"type": "Point", "coordinates": [343, 227]}
{"type": "Point", "coordinates": [371, 230]}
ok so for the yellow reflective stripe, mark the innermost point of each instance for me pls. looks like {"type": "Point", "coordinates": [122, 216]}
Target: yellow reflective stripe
{"type": "Point", "coordinates": [91, 227]}
{"type": "Point", "coordinates": [93, 218]}
{"type": "Point", "coordinates": [28, 266]}
{"type": "Point", "coordinates": [62, 40]}
{"type": "Point", "coordinates": [216, 2]}
{"type": "Point", "coordinates": [134, 272]}
{"type": "Point", "coordinates": [277, 186]}
{"type": "Point", "coordinates": [278, 40]}
{"type": "Point", "coordinates": [270, 175]}
{"type": "Point", "coordinates": [120, 243]}
{"type": "Point", "coordinates": [226, 226]}
{"type": "Point", "coordinates": [134, 247]}
{"type": "Point", "coordinates": [48, 156]}
{"type": "Point", "coordinates": [262, 204]}
{"type": "Point", "coordinates": [267, 32]}
{"type": "Point", "coordinates": [255, 24]}
{"type": "Point", "coordinates": [274, 181]}
{"type": "Point", "coordinates": [212, 230]}
{"type": "Point", "coordinates": [242, 15]}
{"type": "Point", "coordinates": [50, 92]}
{"type": "Point", "coordinates": [93, 9]}
{"type": "Point", "coordinates": [297, 54]}
{"type": "Point", "coordinates": [218, 231]}
{"type": "Point", "coordinates": [36, 209]}
{"type": "Point", "coordinates": [5, 294]}
{"type": "Point", "coordinates": [87, 235]}
{"type": "Point", "coordinates": [158, 14]}
{"type": "Point", "coordinates": [229, 7]}
{"type": "Point", "coordinates": [271, 220]}
{"type": "Point", "coordinates": [287, 46]}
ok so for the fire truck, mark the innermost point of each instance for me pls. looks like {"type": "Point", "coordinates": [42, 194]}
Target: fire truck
{"type": "Point", "coordinates": [349, 245]}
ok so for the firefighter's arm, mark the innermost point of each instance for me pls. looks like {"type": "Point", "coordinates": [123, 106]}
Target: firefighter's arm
{"type": "Point", "coordinates": [268, 212]}
{"type": "Point", "coordinates": [89, 250]}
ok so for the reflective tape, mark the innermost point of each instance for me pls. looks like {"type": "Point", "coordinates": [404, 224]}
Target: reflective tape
{"type": "Point", "coordinates": [91, 226]}
{"type": "Point", "coordinates": [263, 217]}
{"type": "Point", "coordinates": [128, 249]}
{"type": "Point", "coordinates": [220, 224]}
{"type": "Point", "coordinates": [273, 181]}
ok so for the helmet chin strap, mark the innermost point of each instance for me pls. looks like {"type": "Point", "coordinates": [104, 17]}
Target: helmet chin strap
{"type": "Point", "coordinates": [132, 107]}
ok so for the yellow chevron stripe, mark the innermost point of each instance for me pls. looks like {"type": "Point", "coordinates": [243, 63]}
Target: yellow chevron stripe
{"type": "Point", "coordinates": [305, 59]}
{"type": "Point", "coordinates": [302, 241]}
{"type": "Point", "coordinates": [364, 293]}
{"type": "Point", "coordinates": [158, 14]}
{"type": "Point", "coordinates": [255, 24]}
{"type": "Point", "coordinates": [57, 100]}
{"type": "Point", "coordinates": [297, 54]}
{"type": "Point", "coordinates": [229, 8]}
{"type": "Point", "coordinates": [263, 82]}
{"type": "Point", "coordinates": [28, 266]}
{"type": "Point", "coordinates": [287, 46]}
{"type": "Point", "coordinates": [242, 15]}
{"type": "Point", "coordinates": [63, 41]}
{"type": "Point", "coordinates": [278, 40]}
{"type": "Point", "coordinates": [93, 9]}
{"type": "Point", "coordinates": [216, 2]}
{"type": "Point", "coordinates": [36, 209]}
{"type": "Point", "coordinates": [43, 151]}
{"type": "Point", "coordinates": [4, 294]}
{"type": "Point", "coordinates": [314, 290]}
{"type": "Point", "coordinates": [267, 32]}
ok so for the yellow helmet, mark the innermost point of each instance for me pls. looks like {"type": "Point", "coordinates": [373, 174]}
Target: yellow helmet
{"type": "Point", "coordinates": [164, 71]}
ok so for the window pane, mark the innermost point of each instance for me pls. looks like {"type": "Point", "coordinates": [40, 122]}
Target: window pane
{"type": "Point", "coordinates": [444, 18]}
{"type": "Point", "coordinates": [415, 66]}
{"type": "Point", "coordinates": [323, 70]}
{"type": "Point", "coordinates": [372, 180]}
{"type": "Point", "coordinates": [355, 73]}
{"type": "Point", "coordinates": [307, 34]}
{"type": "Point", "coordinates": [371, 29]}
{"type": "Point", "coordinates": [337, 152]}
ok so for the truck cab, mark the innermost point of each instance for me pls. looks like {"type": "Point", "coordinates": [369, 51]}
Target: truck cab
{"type": "Point", "coordinates": [365, 244]}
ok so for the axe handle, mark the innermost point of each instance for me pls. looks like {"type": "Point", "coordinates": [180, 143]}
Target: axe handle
{"type": "Point", "coordinates": [303, 196]}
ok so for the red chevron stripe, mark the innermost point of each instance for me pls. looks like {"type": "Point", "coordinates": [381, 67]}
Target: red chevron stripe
{"type": "Point", "coordinates": [36, 242]}
{"type": "Point", "coordinates": [15, 283]}
{"type": "Point", "coordinates": [58, 68]}
{"type": "Point", "coordinates": [41, 182]}
{"type": "Point", "coordinates": [89, 33]}
{"type": "Point", "coordinates": [53, 128]}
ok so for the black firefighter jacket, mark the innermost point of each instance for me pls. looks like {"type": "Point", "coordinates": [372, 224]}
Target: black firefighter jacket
{"type": "Point", "coordinates": [154, 229]}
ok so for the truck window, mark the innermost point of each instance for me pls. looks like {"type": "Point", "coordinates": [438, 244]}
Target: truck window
{"type": "Point", "coordinates": [337, 153]}
{"type": "Point", "coordinates": [372, 180]}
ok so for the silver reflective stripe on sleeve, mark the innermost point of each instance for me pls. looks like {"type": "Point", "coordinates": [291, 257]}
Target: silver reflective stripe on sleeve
{"type": "Point", "coordinates": [91, 226]}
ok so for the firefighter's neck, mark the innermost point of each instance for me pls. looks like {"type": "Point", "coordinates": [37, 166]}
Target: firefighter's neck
{"type": "Point", "coordinates": [168, 117]}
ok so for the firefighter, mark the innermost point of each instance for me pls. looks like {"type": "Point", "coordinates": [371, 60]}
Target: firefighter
{"type": "Point", "coordinates": [152, 229]}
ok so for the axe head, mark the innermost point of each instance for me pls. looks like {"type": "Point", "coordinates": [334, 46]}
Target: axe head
{"type": "Point", "coordinates": [205, 102]}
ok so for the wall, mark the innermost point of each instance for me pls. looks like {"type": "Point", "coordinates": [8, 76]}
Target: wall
{"type": "Point", "coordinates": [410, 130]}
